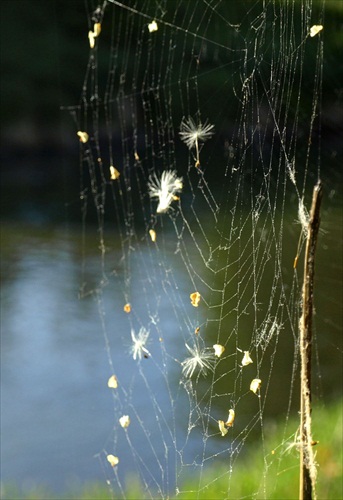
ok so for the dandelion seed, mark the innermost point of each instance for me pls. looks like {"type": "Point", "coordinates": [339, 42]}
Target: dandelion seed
{"type": "Point", "coordinates": [114, 173]}
{"type": "Point", "coordinates": [83, 136]}
{"type": "Point", "coordinates": [231, 418]}
{"type": "Point", "coordinates": [152, 26]}
{"type": "Point", "coordinates": [164, 189]}
{"type": "Point", "coordinates": [315, 29]}
{"type": "Point", "coordinates": [197, 330]}
{"type": "Point", "coordinates": [200, 359]}
{"type": "Point", "coordinates": [124, 421]}
{"type": "Point", "coordinates": [255, 385]}
{"type": "Point", "coordinates": [195, 298]}
{"type": "Point", "coordinates": [113, 460]}
{"type": "Point", "coordinates": [222, 428]}
{"type": "Point", "coordinates": [218, 350]}
{"type": "Point", "coordinates": [152, 233]}
{"type": "Point", "coordinates": [127, 308]}
{"type": "Point", "coordinates": [193, 134]}
{"type": "Point", "coordinates": [138, 348]}
{"type": "Point", "coordinates": [246, 359]}
{"type": "Point", "coordinates": [112, 382]}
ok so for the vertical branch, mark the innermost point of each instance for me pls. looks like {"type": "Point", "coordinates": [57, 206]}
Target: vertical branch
{"type": "Point", "coordinates": [307, 463]}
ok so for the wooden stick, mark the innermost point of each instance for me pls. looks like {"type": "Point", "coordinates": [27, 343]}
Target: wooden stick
{"type": "Point", "coordinates": [307, 463]}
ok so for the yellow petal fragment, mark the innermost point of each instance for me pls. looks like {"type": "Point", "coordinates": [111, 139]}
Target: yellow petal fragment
{"type": "Point", "coordinates": [255, 385]}
{"type": "Point", "coordinates": [218, 350]}
{"type": "Point", "coordinates": [97, 29]}
{"type": "Point", "coordinates": [222, 427]}
{"type": "Point", "coordinates": [230, 419]}
{"type": "Point", "coordinates": [246, 359]}
{"type": "Point", "coordinates": [152, 26]}
{"type": "Point", "coordinates": [152, 233]}
{"type": "Point", "coordinates": [91, 39]}
{"type": "Point", "coordinates": [315, 29]}
{"type": "Point", "coordinates": [83, 136]}
{"type": "Point", "coordinates": [127, 308]}
{"type": "Point", "coordinates": [112, 382]}
{"type": "Point", "coordinates": [195, 298]}
{"type": "Point", "coordinates": [115, 174]}
{"type": "Point", "coordinates": [124, 421]}
{"type": "Point", "coordinates": [113, 460]}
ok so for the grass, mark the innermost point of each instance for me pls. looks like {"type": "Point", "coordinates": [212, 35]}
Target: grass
{"type": "Point", "coordinates": [272, 473]}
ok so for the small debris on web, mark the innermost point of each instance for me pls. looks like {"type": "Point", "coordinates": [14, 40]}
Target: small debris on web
{"type": "Point", "coordinates": [152, 26]}
{"type": "Point", "coordinates": [222, 428]}
{"type": "Point", "coordinates": [231, 418]}
{"type": "Point", "coordinates": [113, 460]}
{"type": "Point", "coordinates": [255, 385]}
{"type": "Point", "coordinates": [246, 359]}
{"type": "Point", "coordinates": [97, 29]}
{"type": "Point", "coordinates": [218, 350]}
{"type": "Point", "coordinates": [315, 29]}
{"type": "Point", "coordinates": [92, 35]}
{"type": "Point", "coordinates": [195, 298]}
{"type": "Point", "coordinates": [152, 233]}
{"type": "Point", "coordinates": [115, 174]}
{"type": "Point", "coordinates": [124, 421]}
{"type": "Point", "coordinates": [83, 136]}
{"type": "Point", "coordinates": [127, 308]}
{"type": "Point", "coordinates": [112, 382]}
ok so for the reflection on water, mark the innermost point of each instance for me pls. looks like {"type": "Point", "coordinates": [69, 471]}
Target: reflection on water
{"type": "Point", "coordinates": [56, 410]}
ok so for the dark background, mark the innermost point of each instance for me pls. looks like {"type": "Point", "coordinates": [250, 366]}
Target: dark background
{"type": "Point", "coordinates": [44, 56]}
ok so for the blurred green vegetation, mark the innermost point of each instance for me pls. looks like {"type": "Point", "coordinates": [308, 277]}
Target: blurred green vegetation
{"type": "Point", "coordinates": [44, 60]}
{"type": "Point", "coordinates": [45, 50]}
{"type": "Point", "coordinates": [269, 471]}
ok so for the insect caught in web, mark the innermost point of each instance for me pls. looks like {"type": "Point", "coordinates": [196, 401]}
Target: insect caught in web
{"type": "Point", "coordinates": [192, 134]}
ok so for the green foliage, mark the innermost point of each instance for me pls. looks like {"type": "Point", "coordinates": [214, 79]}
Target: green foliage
{"type": "Point", "coordinates": [271, 471]}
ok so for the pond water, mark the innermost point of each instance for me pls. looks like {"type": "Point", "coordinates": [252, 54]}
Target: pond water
{"type": "Point", "coordinates": [56, 411]}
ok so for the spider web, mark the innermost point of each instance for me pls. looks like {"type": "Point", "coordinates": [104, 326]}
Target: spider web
{"type": "Point", "coordinates": [229, 235]}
